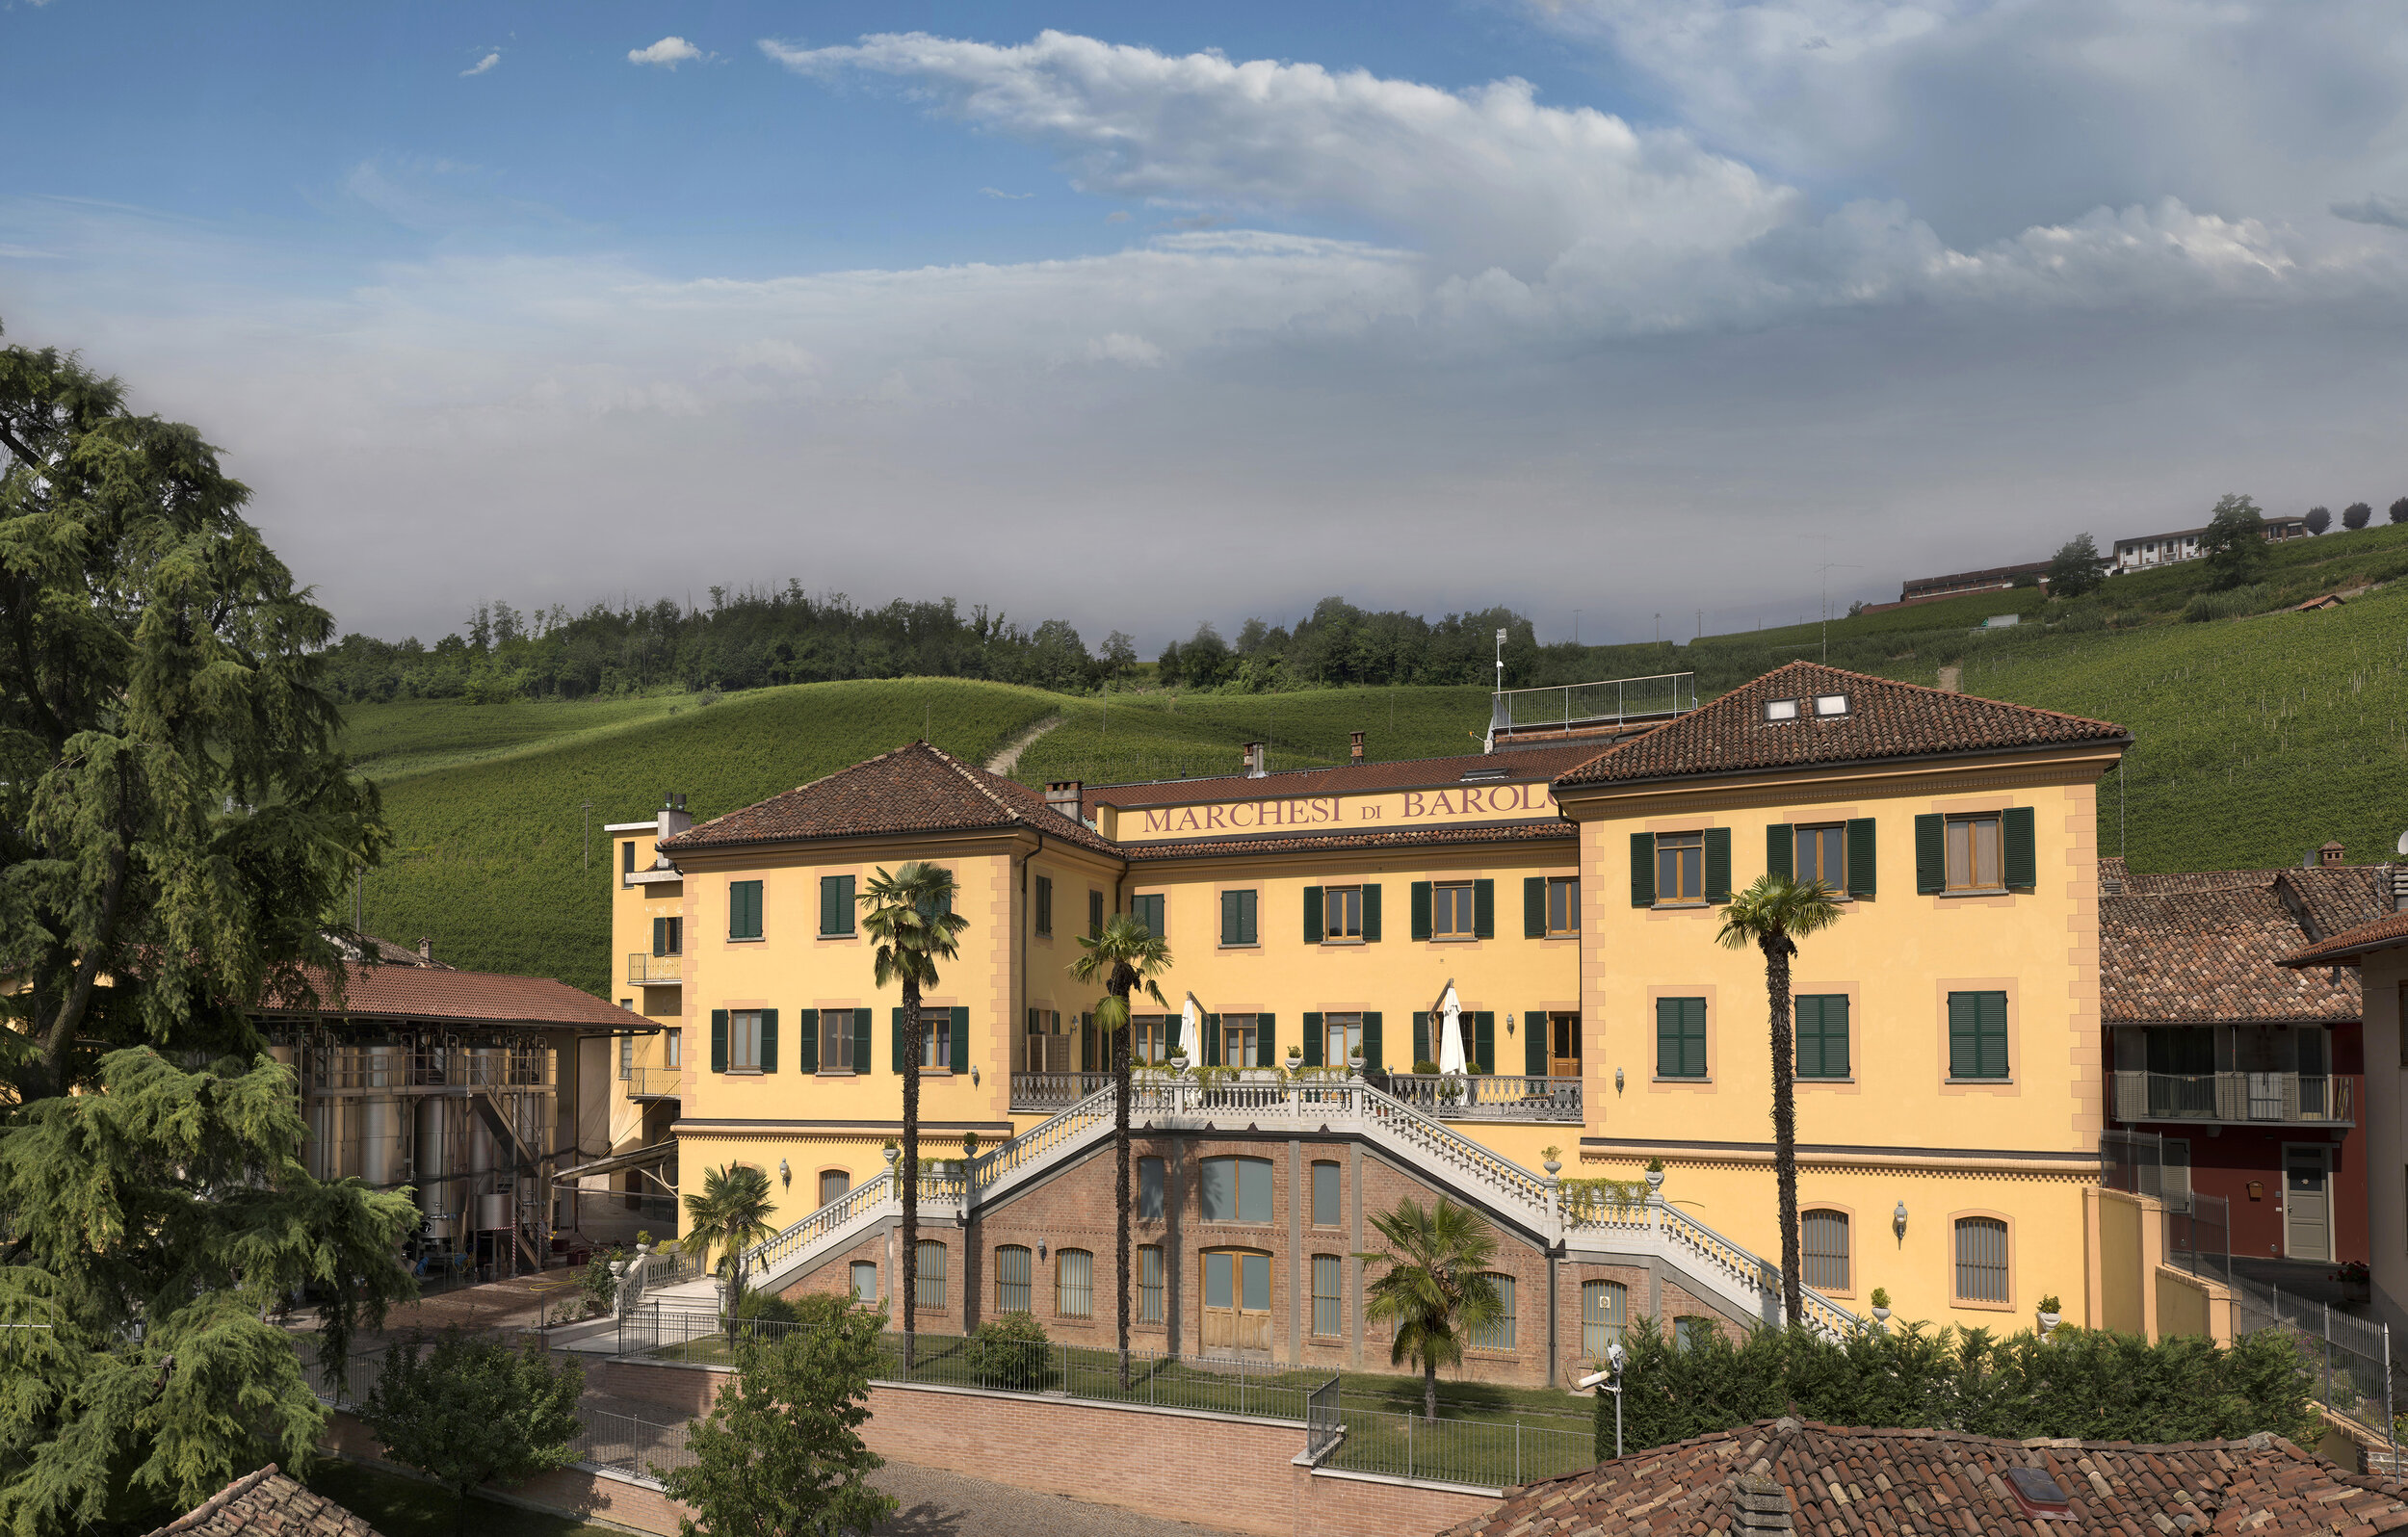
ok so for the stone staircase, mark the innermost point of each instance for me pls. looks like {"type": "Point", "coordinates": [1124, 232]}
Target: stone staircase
{"type": "Point", "coordinates": [1707, 1264]}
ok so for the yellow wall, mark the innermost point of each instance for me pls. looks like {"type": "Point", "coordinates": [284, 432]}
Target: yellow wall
{"type": "Point", "coordinates": [1899, 1129]}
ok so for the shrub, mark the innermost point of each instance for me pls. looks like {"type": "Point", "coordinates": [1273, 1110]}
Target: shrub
{"type": "Point", "coordinates": [2090, 1384]}
{"type": "Point", "coordinates": [596, 1285]}
{"type": "Point", "coordinates": [2318, 519]}
{"type": "Point", "coordinates": [769, 1307]}
{"type": "Point", "coordinates": [2232, 605]}
{"type": "Point", "coordinates": [2357, 515]}
{"type": "Point", "coordinates": [1425, 1068]}
{"type": "Point", "coordinates": [2399, 510]}
{"type": "Point", "coordinates": [1009, 1352]}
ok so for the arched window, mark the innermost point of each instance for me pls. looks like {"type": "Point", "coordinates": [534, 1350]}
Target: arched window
{"type": "Point", "coordinates": [1825, 1234]}
{"type": "Point", "coordinates": [1497, 1333]}
{"type": "Point", "coordinates": [1980, 1260]}
{"type": "Point", "coordinates": [1603, 1309]}
{"type": "Point", "coordinates": [1237, 1189]}
{"type": "Point", "coordinates": [833, 1184]}
{"type": "Point", "coordinates": [1012, 1279]}
{"type": "Point", "coordinates": [931, 1292]}
{"type": "Point", "coordinates": [1074, 1284]}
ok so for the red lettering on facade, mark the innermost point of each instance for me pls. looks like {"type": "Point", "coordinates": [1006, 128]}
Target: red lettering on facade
{"type": "Point", "coordinates": [1412, 803]}
{"type": "Point", "coordinates": [1213, 815]}
{"type": "Point", "coordinates": [1187, 819]}
{"type": "Point", "coordinates": [1157, 821]}
{"type": "Point", "coordinates": [1370, 811]}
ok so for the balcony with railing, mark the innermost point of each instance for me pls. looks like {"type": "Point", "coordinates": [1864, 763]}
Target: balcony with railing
{"type": "Point", "coordinates": [655, 971]}
{"type": "Point", "coordinates": [655, 1082]}
{"type": "Point", "coordinates": [1449, 1097]}
{"type": "Point", "coordinates": [2237, 1099]}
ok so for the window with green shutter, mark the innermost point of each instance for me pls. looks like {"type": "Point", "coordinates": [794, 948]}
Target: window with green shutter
{"type": "Point", "coordinates": [768, 1040]}
{"type": "Point", "coordinates": [1370, 914]}
{"type": "Point", "coordinates": [1311, 915]}
{"type": "Point", "coordinates": [1148, 910]}
{"type": "Point", "coordinates": [1822, 1034]}
{"type": "Point", "coordinates": [1313, 1042]}
{"type": "Point", "coordinates": [1679, 1037]}
{"type": "Point", "coordinates": [1642, 870]}
{"type": "Point", "coordinates": [1779, 850]}
{"type": "Point", "coordinates": [1977, 1036]}
{"type": "Point", "coordinates": [1860, 855]}
{"type": "Point", "coordinates": [1421, 909]}
{"type": "Point", "coordinates": [1238, 917]}
{"type": "Point", "coordinates": [1533, 908]}
{"type": "Point", "coordinates": [1484, 909]}
{"type": "Point", "coordinates": [1371, 1040]}
{"type": "Point", "coordinates": [743, 909]}
{"type": "Point", "coordinates": [836, 905]}
{"type": "Point", "coordinates": [719, 1040]}
{"type": "Point", "coordinates": [1483, 1041]}
{"type": "Point", "coordinates": [1717, 863]}
{"type": "Point", "coordinates": [1044, 903]}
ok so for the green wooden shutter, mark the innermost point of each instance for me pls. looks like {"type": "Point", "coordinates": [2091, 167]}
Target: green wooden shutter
{"type": "Point", "coordinates": [902, 1043]}
{"type": "Point", "coordinates": [1931, 852]}
{"type": "Point", "coordinates": [1681, 1037]}
{"type": "Point", "coordinates": [1229, 925]}
{"type": "Point", "coordinates": [1372, 1058]}
{"type": "Point", "coordinates": [1370, 914]}
{"type": "Point", "coordinates": [1484, 909]}
{"type": "Point", "coordinates": [660, 935]}
{"type": "Point", "coordinates": [1781, 850]}
{"type": "Point", "coordinates": [862, 1063]}
{"type": "Point", "coordinates": [1421, 909]}
{"type": "Point", "coordinates": [1835, 1032]}
{"type": "Point", "coordinates": [1667, 1038]}
{"type": "Point", "coordinates": [827, 904]}
{"type": "Point", "coordinates": [846, 904]}
{"type": "Point", "coordinates": [1533, 908]}
{"type": "Point", "coordinates": [807, 1040]}
{"type": "Point", "coordinates": [768, 1040]}
{"type": "Point", "coordinates": [1087, 1043]}
{"type": "Point", "coordinates": [1536, 1048]}
{"type": "Point", "coordinates": [719, 1040]}
{"type": "Point", "coordinates": [1421, 1039]}
{"type": "Point", "coordinates": [1992, 1018]}
{"type": "Point", "coordinates": [1860, 856]}
{"type": "Point", "coordinates": [1311, 915]}
{"type": "Point", "coordinates": [1314, 1042]}
{"type": "Point", "coordinates": [1964, 1035]}
{"type": "Point", "coordinates": [1248, 917]}
{"type": "Point", "coordinates": [2023, 860]}
{"type": "Point", "coordinates": [1717, 863]}
{"type": "Point", "coordinates": [1212, 1039]}
{"type": "Point", "coordinates": [1642, 870]}
{"type": "Point", "coordinates": [1267, 1034]}
{"type": "Point", "coordinates": [961, 1040]}
{"type": "Point", "coordinates": [1485, 1041]}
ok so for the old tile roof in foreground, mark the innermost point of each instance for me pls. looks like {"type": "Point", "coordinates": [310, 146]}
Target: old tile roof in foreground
{"type": "Point", "coordinates": [2344, 947]}
{"type": "Point", "coordinates": [1884, 719]}
{"type": "Point", "coordinates": [2209, 947]}
{"type": "Point", "coordinates": [267, 1503]}
{"type": "Point", "coordinates": [1870, 1483]}
{"type": "Point", "coordinates": [437, 994]}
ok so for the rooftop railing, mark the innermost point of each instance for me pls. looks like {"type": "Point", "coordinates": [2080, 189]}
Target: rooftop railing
{"type": "Point", "coordinates": [2236, 1098]}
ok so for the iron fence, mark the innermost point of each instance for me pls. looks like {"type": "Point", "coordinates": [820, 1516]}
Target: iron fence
{"type": "Point", "coordinates": [1489, 1453]}
{"type": "Point", "coordinates": [2347, 1359]}
{"type": "Point", "coordinates": [1322, 1419]}
{"type": "Point", "coordinates": [642, 1448]}
{"type": "Point", "coordinates": [2200, 1240]}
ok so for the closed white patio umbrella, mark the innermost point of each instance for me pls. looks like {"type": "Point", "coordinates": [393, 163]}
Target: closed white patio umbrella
{"type": "Point", "coordinates": [1451, 1059]}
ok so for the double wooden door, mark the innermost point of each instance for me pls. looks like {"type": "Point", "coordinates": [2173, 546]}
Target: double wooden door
{"type": "Point", "coordinates": [1237, 1300]}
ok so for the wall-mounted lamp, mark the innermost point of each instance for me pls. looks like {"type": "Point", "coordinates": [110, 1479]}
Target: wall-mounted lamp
{"type": "Point", "coordinates": [1508, 1024]}
{"type": "Point", "coordinates": [1040, 1248]}
{"type": "Point", "coordinates": [974, 1074]}
{"type": "Point", "coordinates": [1617, 1080]}
{"type": "Point", "coordinates": [1897, 1222]}
{"type": "Point", "coordinates": [785, 1175]}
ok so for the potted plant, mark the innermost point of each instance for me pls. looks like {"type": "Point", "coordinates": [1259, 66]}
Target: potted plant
{"type": "Point", "coordinates": [1295, 1057]}
{"type": "Point", "coordinates": [2050, 1316]}
{"type": "Point", "coordinates": [892, 1152]}
{"type": "Point", "coordinates": [969, 1145]}
{"type": "Point", "coordinates": [1354, 1063]}
{"type": "Point", "coordinates": [2358, 1279]}
{"type": "Point", "coordinates": [1654, 1175]}
{"type": "Point", "coordinates": [1880, 1306]}
{"type": "Point", "coordinates": [1179, 1060]}
{"type": "Point", "coordinates": [1555, 1159]}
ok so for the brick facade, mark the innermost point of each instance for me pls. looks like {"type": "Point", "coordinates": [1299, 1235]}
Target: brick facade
{"type": "Point", "coordinates": [1072, 1212]}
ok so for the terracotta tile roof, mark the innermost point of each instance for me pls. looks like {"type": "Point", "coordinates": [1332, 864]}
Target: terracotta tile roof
{"type": "Point", "coordinates": [1869, 1483]}
{"type": "Point", "coordinates": [1460, 835]}
{"type": "Point", "coordinates": [2344, 947]}
{"type": "Point", "coordinates": [1519, 765]}
{"type": "Point", "coordinates": [2212, 954]}
{"type": "Point", "coordinates": [2339, 896]}
{"type": "Point", "coordinates": [916, 788]}
{"type": "Point", "coordinates": [434, 993]}
{"type": "Point", "coordinates": [1884, 719]}
{"type": "Point", "coordinates": [267, 1503]}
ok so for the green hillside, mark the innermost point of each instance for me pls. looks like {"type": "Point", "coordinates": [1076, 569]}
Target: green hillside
{"type": "Point", "coordinates": [2258, 737]}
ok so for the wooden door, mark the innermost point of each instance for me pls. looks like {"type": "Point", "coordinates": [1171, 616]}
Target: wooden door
{"type": "Point", "coordinates": [2307, 1205]}
{"type": "Point", "coordinates": [1564, 1059]}
{"type": "Point", "coordinates": [1237, 1300]}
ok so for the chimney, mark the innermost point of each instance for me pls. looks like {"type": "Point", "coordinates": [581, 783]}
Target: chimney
{"type": "Point", "coordinates": [2330, 856]}
{"type": "Point", "coordinates": [1067, 795]}
{"type": "Point", "coordinates": [425, 948]}
{"type": "Point", "coordinates": [1952, 680]}
{"type": "Point", "coordinates": [1760, 1506]}
{"type": "Point", "coordinates": [1354, 747]}
{"type": "Point", "coordinates": [1254, 769]}
{"type": "Point", "coordinates": [672, 820]}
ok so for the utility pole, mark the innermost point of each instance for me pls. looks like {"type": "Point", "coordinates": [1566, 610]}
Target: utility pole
{"type": "Point", "coordinates": [1576, 627]}
{"type": "Point", "coordinates": [1659, 629]}
{"type": "Point", "coordinates": [589, 811]}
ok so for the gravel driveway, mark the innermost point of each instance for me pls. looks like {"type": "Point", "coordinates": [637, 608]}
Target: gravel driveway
{"type": "Point", "coordinates": [936, 1503]}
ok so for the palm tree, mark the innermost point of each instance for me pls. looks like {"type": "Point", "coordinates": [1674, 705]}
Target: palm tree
{"type": "Point", "coordinates": [1124, 955]}
{"type": "Point", "coordinates": [910, 916]}
{"type": "Point", "coordinates": [1436, 1290]}
{"type": "Point", "coordinates": [732, 1215]}
{"type": "Point", "coordinates": [1773, 915]}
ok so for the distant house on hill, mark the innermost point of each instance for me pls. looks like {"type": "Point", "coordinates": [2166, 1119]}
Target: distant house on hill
{"type": "Point", "coordinates": [2146, 550]}
{"type": "Point", "coordinates": [1994, 579]}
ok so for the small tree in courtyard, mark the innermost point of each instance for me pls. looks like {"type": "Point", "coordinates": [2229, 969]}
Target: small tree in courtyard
{"type": "Point", "coordinates": [2357, 515]}
{"type": "Point", "coordinates": [468, 1411]}
{"type": "Point", "coordinates": [2318, 519]}
{"type": "Point", "coordinates": [781, 1453]}
{"type": "Point", "coordinates": [1435, 1292]}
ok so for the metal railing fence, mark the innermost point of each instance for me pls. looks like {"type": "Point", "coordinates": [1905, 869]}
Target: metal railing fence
{"type": "Point", "coordinates": [2200, 1240]}
{"type": "Point", "coordinates": [1322, 1417]}
{"type": "Point", "coordinates": [1665, 693]}
{"type": "Point", "coordinates": [1489, 1453]}
{"type": "Point", "coordinates": [2236, 1098]}
{"type": "Point", "coordinates": [643, 1448]}
{"type": "Point", "coordinates": [643, 968]}
{"type": "Point", "coordinates": [2347, 1359]}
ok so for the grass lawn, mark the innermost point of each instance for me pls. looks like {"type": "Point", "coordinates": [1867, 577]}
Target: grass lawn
{"type": "Point", "coordinates": [404, 1507]}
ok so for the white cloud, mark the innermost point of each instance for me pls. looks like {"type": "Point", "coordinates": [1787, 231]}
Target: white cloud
{"type": "Point", "coordinates": [2391, 213]}
{"type": "Point", "coordinates": [483, 66]}
{"type": "Point", "coordinates": [669, 52]}
{"type": "Point", "coordinates": [993, 191]}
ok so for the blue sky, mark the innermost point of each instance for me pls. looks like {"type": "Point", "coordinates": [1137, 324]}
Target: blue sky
{"type": "Point", "coordinates": [1636, 306]}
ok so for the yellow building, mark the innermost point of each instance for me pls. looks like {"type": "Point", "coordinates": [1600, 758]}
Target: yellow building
{"type": "Point", "coordinates": [1539, 921]}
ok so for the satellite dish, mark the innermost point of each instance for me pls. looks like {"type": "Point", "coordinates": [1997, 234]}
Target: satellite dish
{"type": "Point", "coordinates": [2402, 845]}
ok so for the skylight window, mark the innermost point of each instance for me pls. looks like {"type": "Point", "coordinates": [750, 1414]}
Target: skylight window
{"type": "Point", "coordinates": [1831, 704]}
{"type": "Point", "coordinates": [1780, 710]}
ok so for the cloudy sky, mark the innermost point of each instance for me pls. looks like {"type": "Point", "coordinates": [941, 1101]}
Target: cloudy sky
{"type": "Point", "coordinates": [1144, 316]}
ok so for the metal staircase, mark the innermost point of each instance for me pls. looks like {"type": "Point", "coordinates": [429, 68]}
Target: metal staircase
{"type": "Point", "coordinates": [1709, 1264]}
